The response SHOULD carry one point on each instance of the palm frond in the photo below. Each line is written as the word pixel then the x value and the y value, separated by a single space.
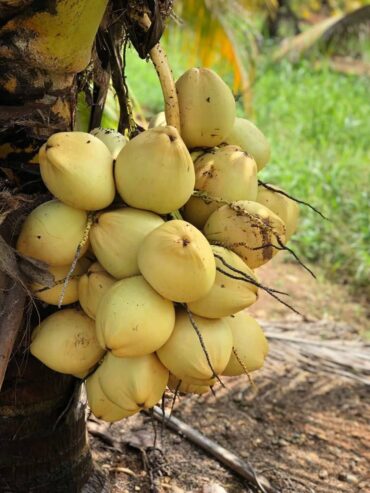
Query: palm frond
pixel 221 35
pixel 329 34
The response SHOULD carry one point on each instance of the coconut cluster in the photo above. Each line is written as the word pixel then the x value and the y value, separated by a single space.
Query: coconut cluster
pixel 153 243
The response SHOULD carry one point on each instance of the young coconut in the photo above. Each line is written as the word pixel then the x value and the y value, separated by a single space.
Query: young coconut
pixel 184 355
pixel 53 295
pixel 114 140
pixel 249 229
pixel 100 405
pixel 250 138
pixel 158 120
pixel 154 171
pixel 177 261
pixel 52 233
pixel 78 169
pixel 230 292
pixel 225 173
pixel 250 346
pixel 132 319
pixel 91 288
pixel 133 383
pixel 207 108
pixel 66 342
pixel 187 387
pixel 284 207
pixel 116 236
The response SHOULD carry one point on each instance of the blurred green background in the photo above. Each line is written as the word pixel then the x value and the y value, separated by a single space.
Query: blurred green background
pixel 309 93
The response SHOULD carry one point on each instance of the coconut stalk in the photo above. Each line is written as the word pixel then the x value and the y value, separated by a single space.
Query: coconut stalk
pixel 160 62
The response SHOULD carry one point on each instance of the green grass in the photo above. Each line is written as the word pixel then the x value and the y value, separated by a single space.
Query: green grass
pixel 318 126
pixel 317 123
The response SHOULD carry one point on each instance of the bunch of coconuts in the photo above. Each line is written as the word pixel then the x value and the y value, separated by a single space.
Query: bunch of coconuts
pixel 163 271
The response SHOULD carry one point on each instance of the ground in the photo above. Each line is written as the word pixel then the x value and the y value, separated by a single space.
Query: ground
pixel 303 431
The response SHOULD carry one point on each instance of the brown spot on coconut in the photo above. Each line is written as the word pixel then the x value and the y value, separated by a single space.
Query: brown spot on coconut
pixel 249 229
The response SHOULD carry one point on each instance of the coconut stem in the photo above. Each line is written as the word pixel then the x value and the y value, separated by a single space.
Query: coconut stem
pixel 268 291
pixel 246 278
pixel 244 369
pixel 196 328
pixel 160 62
pixel 84 240
pixel 276 190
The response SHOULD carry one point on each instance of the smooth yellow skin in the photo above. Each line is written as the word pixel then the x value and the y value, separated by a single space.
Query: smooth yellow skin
pixel 250 138
pixel 77 168
pixel 158 120
pixel 227 295
pixel 115 141
pixel 226 173
pixel 133 383
pixel 66 342
pixel 132 319
pixel 207 108
pixel 100 405
pixel 183 354
pixel 91 288
pixel 245 230
pixel 52 295
pixel 52 232
pixel 177 261
pixel 282 206
pixel 249 342
pixel 188 387
pixel 116 237
pixel 154 171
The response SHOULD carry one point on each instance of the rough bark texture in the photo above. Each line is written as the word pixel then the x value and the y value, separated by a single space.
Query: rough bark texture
pixel 43 443
pixel 43 439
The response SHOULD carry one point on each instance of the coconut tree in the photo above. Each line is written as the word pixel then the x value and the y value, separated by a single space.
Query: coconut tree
pixel 50 51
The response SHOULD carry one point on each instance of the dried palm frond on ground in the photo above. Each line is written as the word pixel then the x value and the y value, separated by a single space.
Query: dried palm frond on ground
pixel 350 359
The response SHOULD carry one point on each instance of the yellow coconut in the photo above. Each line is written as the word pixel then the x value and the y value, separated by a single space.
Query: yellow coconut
pixel 183 354
pixel 133 383
pixel 114 140
pixel 250 346
pixel 78 169
pixel 91 288
pixel 230 292
pixel 177 385
pixel 207 108
pixel 52 232
pixel 196 154
pixel 154 171
pixel 247 228
pixel 158 120
pixel 250 138
pixel 226 173
pixel 177 261
pixel 66 342
pixel 116 236
pixel 132 319
pixel 284 207
pixel 100 405
pixel 52 295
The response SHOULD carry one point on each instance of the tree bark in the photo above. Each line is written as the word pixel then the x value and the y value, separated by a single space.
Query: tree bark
pixel 44 44
pixel 43 441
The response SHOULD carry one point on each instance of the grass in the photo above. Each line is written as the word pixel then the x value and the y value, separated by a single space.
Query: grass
pixel 317 123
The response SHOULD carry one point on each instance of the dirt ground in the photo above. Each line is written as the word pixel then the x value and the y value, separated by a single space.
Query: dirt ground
pixel 305 432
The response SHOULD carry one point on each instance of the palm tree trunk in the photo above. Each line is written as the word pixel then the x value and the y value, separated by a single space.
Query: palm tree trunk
pixel 43 442
pixel 43 439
